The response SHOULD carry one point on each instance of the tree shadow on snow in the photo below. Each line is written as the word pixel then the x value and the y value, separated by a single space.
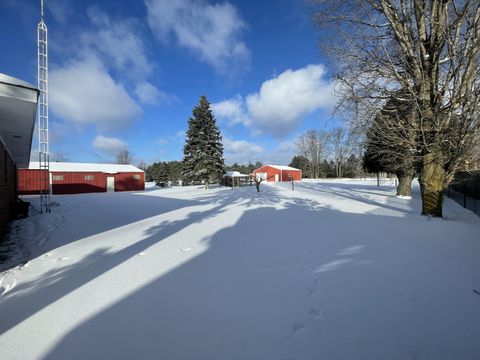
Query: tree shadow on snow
pixel 289 281
pixel 33 296
pixel 363 193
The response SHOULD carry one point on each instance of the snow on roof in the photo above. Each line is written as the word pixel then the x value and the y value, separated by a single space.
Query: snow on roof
pixel 7 79
pixel 87 167
pixel 283 167
pixel 235 174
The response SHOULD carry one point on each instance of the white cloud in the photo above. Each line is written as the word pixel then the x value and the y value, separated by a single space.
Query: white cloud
pixel 282 154
pixel 181 135
pixel 109 145
pixel 150 95
pixel 233 110
pixel 212 31
pixel 60 10
pixel 119 42
pixel 110 67
pixel 282 102
pixel 241 151
pixel 85 93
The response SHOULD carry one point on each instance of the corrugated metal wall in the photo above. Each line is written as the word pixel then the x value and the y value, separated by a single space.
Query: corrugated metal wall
pixel 129 181
pixel 288 175
pixel 29 181
pixel 79 182
pixel 283 175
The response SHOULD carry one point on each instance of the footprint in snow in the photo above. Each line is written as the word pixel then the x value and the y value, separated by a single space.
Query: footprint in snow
pixel 313 291
pixel 297 328
pixel 315 314
pixel 62 259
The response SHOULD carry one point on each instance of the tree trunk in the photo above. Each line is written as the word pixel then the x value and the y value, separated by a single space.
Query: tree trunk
pixel 404 187
pixel 339 170
pixel 206 184
pixel 432 184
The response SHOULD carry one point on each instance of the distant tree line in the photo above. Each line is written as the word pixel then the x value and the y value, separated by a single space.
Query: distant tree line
pixel 352 167
pixel 245 169
pixel 164 172
pixel 333 153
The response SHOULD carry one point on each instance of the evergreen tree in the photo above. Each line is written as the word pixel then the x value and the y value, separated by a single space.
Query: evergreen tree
pixel 203 151
pixel 302 163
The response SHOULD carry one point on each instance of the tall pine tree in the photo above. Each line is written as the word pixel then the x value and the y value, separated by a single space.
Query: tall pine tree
pixel 203 150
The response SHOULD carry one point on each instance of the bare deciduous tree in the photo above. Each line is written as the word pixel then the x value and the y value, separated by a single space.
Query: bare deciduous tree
pixel 312 144
pixel 426 48
pixel 343 143
pixel 124 157
pixel 258 179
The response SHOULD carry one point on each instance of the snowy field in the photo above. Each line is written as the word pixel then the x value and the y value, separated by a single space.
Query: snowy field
pixel 332 270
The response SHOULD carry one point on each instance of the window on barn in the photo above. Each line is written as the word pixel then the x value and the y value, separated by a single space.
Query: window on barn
pixel 57 177
pixel 89 177
pixel 136 177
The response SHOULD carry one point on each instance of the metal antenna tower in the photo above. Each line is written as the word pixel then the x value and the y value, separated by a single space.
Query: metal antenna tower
pixel 43 151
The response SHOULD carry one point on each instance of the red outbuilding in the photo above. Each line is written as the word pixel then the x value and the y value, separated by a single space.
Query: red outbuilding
pixel 273 173
pixel 76 178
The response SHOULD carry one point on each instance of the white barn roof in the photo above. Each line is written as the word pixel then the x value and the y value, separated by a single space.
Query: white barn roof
pixel 235 174
pixel 87 167
pixel 282 167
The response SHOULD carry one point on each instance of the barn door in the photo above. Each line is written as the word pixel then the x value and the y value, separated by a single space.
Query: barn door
pixel 276 177
pixel 110 183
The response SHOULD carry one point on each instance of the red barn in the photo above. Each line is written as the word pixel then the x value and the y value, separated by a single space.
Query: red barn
pixel 275 173
pixel 76 178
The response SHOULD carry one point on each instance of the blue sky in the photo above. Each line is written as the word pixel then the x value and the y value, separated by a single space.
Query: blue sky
pixel 128 73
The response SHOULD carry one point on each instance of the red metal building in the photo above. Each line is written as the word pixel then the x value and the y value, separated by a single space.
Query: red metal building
pixel 273 173
pixel 77 178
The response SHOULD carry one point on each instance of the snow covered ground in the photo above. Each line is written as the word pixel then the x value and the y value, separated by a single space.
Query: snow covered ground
pixel 332 270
